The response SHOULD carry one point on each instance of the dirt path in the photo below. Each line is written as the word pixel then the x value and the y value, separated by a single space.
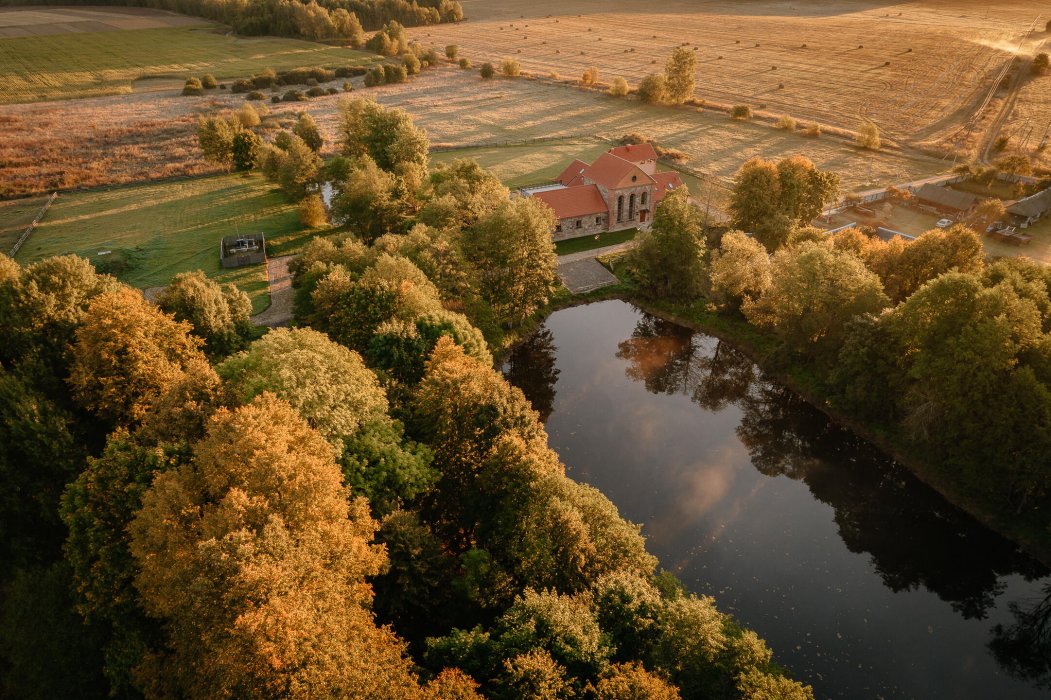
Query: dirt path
pixel 279 313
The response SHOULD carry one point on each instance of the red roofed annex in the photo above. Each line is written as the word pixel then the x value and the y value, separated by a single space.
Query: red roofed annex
pixel 618 191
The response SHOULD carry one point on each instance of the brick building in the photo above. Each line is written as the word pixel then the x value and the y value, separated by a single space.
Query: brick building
pixel 618 191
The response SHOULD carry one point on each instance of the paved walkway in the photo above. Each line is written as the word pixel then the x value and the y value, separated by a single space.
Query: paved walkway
pixel 585 275
pixel 279 313
pixel 596 252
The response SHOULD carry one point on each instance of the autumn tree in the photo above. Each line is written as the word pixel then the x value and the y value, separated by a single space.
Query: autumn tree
pixel 680 73
pixel 388 137
pixel 126 354
pixel 514 253
pixel 739 271
pixel 670 257
pixel 461 193
pixel 987 211
pixel 868 136
pixel 218 314
pixel 815 291
pixel 278 555
pixel 653 89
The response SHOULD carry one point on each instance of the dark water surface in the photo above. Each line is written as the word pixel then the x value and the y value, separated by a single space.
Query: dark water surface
pixel 865 582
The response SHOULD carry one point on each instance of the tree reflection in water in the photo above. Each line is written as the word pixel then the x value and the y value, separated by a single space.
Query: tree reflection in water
pixel 1024 648
pixel 914 537
pixel 531 367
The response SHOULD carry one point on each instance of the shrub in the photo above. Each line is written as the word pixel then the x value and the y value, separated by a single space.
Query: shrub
pixel 348 87
pixel 242 85
pixel 465 63
pixel 317 91
pixel 375 76
pixel 255 95
pixel 266 79
pixel 247 116
pixel 208 81
pixel 275 99
pixel 510 67
pixel 192 87
pixel 294 96
pixel 411 63
pixel 1041 63
pixel 653 88
pixel 350 71
pixel 487 71
pixel 868 136
pixel 222 86
pixel 619 87
pixel 741 112
pixel 395 74
pixel 430 57
pixel 812 130
pixel 332 91
pixel 786 122
pixel 312 212
pixel 451 50
pixel 1001 142
pixel 589 76
pixel 311 82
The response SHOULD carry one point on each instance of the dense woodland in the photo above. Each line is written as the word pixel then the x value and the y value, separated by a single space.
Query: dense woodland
pixel 929 345
pixel 357 507
pixel 343 20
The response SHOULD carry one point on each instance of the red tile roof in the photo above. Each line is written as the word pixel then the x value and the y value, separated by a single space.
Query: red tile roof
pixel 635 153
pixel 572 172
pixel 613 172
pixel 572 202
pixel 666 182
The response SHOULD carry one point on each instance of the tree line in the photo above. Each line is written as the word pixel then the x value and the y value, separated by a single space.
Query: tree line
pixel 315 20
pixel 925 341
pixel 357 507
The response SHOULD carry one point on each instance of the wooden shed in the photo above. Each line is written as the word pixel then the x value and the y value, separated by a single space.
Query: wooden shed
pixel 236 251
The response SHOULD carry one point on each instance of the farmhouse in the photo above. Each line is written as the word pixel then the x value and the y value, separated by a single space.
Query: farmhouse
pixel 1027 211
pixel 945 201
pixel 618 191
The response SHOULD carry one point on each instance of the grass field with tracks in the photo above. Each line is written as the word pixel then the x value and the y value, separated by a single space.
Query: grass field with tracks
pixel 171 227
pixel 85 64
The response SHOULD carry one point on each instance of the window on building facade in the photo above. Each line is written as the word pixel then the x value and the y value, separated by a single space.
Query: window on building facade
pixel 644 198
pixel 620 208
pixel 558 228
pixel 631 206
pixel 580 223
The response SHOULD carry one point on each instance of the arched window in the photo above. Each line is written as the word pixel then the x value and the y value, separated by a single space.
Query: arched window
pixel 620 208
pixel 645 196
pixel 631 207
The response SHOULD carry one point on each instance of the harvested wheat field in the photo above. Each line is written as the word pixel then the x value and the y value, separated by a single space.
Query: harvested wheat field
pixel 48 54
pixel 145 136
pixel 917 69
pixel 1028 128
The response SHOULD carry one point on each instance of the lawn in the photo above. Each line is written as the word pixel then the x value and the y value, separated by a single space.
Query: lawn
pixel 15 216
pixel 519 166
pixel 171 227
pixel 83 64
pixel 579 245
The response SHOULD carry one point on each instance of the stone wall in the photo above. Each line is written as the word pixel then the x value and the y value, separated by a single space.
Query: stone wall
pixel 589 226
pixel 630 222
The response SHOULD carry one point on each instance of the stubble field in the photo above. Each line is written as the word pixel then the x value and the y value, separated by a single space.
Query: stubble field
pixel 917 70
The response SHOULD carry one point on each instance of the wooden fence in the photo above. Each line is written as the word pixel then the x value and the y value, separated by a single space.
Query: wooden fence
pixel 29 229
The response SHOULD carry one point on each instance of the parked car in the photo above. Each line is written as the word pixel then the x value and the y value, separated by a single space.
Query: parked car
pixel 944 223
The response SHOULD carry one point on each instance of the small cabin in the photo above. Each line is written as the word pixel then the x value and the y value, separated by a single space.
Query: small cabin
pixel 240 250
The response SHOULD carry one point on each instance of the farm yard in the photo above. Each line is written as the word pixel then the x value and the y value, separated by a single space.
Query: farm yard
pixel 915 70
pixel 162 229
pixel 48 54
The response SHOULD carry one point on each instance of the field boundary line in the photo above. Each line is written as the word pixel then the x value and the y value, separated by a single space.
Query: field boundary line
pixel 32 226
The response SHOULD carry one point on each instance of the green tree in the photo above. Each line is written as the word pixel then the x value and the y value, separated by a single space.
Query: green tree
pixel 328 384
pixel 278 556
pixel 451 51
pixel 306 129
pixel 739 271
pixel 487 71
pixel 387 136
pixel 298 169
pixel 804 190
pixel 218 314
pixel 1041 63
pixel 670 257
pixel 816 290
pixel 215 135
pixel 680 73
pixel 461 193
pixel 126 354
pixel 513 250
pixel 244 150
pixel 368 201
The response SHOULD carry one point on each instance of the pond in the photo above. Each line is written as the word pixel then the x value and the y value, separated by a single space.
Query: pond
pixel 864 581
